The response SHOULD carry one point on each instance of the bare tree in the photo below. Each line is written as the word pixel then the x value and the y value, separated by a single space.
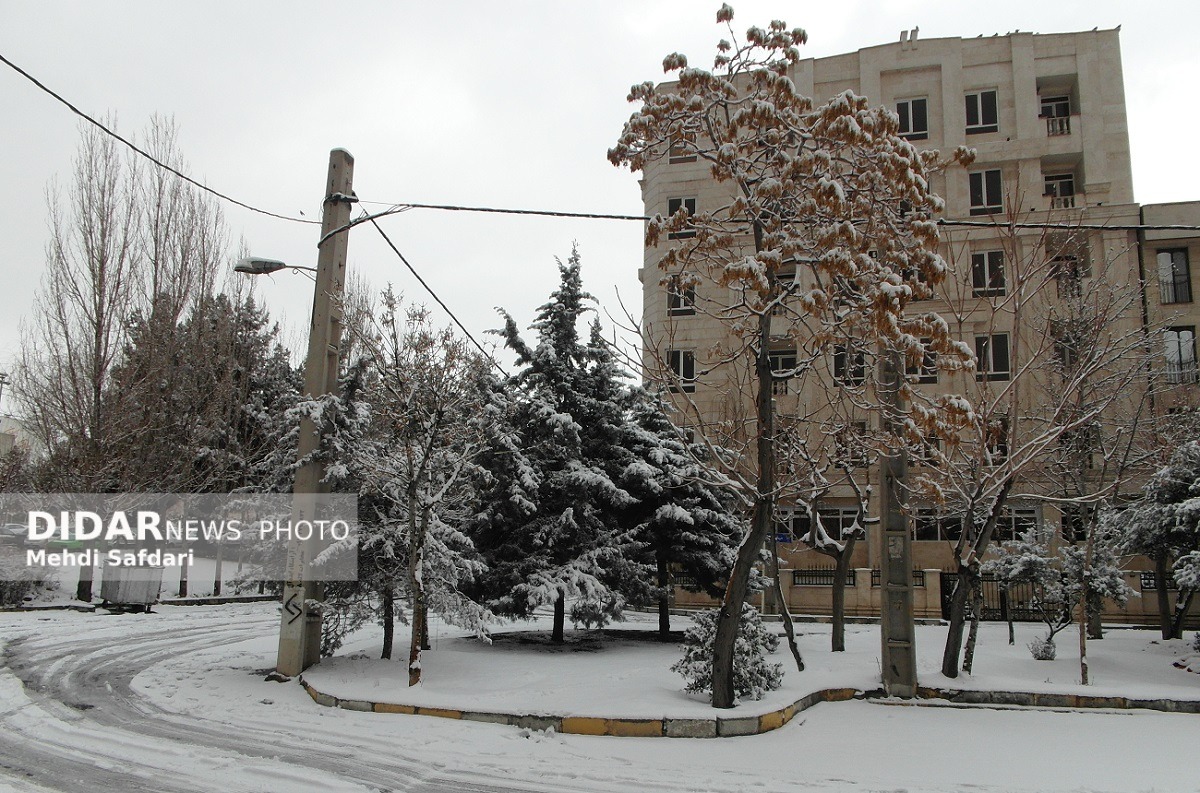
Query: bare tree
pixel 1059 379
pixel 830 192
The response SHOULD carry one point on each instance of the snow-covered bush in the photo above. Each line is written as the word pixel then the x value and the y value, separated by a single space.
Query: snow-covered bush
pixel 1196 642
pixel 1043 649
pixel 753 675
pixel 19 583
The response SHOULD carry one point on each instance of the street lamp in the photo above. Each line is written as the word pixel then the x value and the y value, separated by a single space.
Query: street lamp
pixel 256 265
pixel 300 623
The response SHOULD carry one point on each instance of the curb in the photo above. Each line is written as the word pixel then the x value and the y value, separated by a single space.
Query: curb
pixel 745 725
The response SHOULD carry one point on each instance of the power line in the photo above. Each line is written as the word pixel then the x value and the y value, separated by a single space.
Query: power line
pixel 395 208
pixel 433 294
pixel 502 211
pixel 148 156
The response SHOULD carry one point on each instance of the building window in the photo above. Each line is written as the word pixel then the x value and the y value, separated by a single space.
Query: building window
pixel 1174 276
pixel 981 112
pixel 682 148
pixel 683 369
pixel 931 524
pixel 1066 336
pixel 995 443
pixel 1057 112
pixel 1181 354
pixel 928 452
pixel 987 195
pixel 1069 273
pixel 849 364
pixel 987 273
pixel 991 352
pixel 1075 521
pixel 925 370
pixel 914 118
pixel 836 521
pixel 681 297
pixel 850 447
pixel 785 277
pixel 783 365
pixel 1060 189
pixel 673 206
pixel 1014 522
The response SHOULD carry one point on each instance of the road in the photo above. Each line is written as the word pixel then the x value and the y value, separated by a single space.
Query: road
pixel 175 702
pixel 83 726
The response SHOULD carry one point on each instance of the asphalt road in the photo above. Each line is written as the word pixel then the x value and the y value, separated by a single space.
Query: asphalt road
pixel 84 728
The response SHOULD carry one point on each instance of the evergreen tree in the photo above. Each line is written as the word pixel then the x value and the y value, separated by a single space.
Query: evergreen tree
pixel 685 516
pixel 561 537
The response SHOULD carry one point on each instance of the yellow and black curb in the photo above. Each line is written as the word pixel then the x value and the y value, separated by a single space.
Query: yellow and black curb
pixel 719 727
pixel 589 725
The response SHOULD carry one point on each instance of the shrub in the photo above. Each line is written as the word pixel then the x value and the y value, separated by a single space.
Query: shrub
pixel 1043 649
pixel 753 675
pixel 19 583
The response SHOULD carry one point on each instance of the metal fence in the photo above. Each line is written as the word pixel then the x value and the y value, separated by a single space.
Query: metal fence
pixel 1000 603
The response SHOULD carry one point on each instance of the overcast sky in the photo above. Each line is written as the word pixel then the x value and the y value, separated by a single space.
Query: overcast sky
pixel 508 104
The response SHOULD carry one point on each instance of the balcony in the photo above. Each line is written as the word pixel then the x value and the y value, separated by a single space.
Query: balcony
pixel 1058 126
pixel 1062 202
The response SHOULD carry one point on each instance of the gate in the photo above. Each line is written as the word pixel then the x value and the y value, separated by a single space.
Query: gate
pixel 998 604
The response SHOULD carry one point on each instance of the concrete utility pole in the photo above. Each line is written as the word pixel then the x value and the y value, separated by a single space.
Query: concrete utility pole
pixel 897 630
pixel 300 627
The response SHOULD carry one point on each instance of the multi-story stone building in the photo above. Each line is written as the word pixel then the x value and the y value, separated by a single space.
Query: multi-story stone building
pixel 1052 191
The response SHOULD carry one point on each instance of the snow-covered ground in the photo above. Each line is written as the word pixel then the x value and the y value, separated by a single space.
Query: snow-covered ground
pixel 176 701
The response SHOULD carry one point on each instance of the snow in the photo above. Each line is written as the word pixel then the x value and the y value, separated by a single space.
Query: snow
pixel 189 705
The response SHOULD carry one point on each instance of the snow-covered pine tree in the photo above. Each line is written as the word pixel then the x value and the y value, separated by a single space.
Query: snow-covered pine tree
pixel 753 674
pixel 562 538
pixel 1165 526
pixel 686 516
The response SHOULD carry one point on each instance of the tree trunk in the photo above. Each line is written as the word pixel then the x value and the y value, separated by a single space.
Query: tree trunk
pixel 418 641
pixel 1083 637
pixel 840 570
pixel 1164 602
pixel 664 597
pixel 217 568
pixel 958 616
pixel 1006 614
pixel 183 573
pixel 730 616
pixel 560 619
pixel 788 629
pixel 425 645
pixel 1095 625
pixel 83 590
pixel 388 617
pixel 1183 603
pixel 973 635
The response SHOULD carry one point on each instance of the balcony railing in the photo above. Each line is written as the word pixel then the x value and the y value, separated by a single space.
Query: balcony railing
pixel 1058 126
pixel 1062 202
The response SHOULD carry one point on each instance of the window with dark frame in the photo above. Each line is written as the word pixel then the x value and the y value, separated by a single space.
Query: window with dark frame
pixel 683 366
pixel 1060 189
pixel 1174 276
pixel 850 445
pixel 987 273
pixel 991 352
pixel 680 151
pixel 931 524
pixel 924 371
pixel 987 192
pixel 681 297
pixel 1014 522
pixel 1065 336
pixel 781 361
pixel 849 364
pixel 982 112
pixel 1180 343
pixel 1075 521
pixel 1055 107
pixel 996 440
pixel 673 207
pixel 914 118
